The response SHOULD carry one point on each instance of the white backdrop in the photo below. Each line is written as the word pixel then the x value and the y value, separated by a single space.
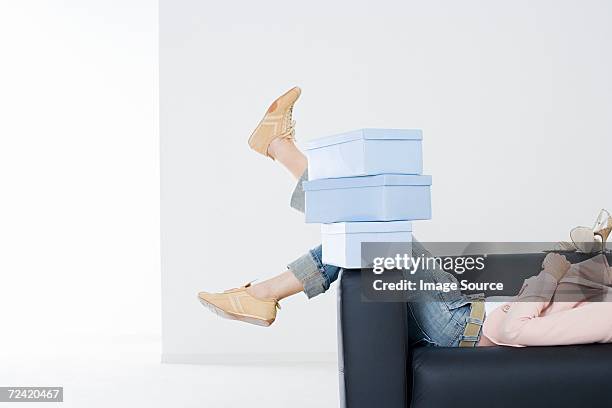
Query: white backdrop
pixel 513 98
pixel 79 209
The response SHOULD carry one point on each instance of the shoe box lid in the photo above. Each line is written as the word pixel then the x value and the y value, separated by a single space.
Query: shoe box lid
pixel 365 134
pixel 368 181
pixel 366 227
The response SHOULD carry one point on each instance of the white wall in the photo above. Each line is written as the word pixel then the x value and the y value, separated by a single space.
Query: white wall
pixel 79 246
pixel 513 97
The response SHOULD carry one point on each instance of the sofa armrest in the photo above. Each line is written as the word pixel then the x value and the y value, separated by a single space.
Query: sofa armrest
pixel 372 348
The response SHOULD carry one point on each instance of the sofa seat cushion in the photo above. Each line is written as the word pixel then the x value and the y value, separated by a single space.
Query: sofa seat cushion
pixel 565 376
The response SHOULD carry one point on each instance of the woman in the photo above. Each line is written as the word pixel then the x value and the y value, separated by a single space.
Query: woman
pixel 448 319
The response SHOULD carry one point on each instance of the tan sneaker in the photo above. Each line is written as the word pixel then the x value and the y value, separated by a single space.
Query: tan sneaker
pixel 277 122
pixel 238 304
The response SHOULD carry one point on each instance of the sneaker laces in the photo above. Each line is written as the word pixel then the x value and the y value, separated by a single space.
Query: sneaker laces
pixel 289 125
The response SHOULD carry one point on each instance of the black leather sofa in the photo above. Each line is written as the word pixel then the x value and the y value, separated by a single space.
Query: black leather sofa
pixel 378 369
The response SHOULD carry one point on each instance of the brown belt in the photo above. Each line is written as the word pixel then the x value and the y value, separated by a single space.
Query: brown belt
pixel 472 328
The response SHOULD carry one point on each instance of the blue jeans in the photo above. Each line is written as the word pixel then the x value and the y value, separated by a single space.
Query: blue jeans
pixel 313 273
pixel 439 323
pixel 438 320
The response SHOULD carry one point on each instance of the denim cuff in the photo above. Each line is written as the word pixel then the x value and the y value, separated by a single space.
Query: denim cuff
pixel 307 271
pixel 297 198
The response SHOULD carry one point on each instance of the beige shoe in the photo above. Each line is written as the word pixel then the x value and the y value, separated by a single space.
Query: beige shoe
pixel 276 123
pixel 583 238
pixel 238 304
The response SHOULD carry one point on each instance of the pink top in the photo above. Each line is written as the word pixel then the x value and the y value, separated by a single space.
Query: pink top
pixel 576 310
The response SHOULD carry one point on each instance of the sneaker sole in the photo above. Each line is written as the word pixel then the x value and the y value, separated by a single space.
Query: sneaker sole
pixel 235 316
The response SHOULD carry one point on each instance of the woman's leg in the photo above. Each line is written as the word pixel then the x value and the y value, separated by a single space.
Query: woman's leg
pixel 308 273
pixel 257 304
pixel 287 153
pixel 279 287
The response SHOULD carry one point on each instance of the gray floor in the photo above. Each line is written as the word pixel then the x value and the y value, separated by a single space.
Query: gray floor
pixel 128 374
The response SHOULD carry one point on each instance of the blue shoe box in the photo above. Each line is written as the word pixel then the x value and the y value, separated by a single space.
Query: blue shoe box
pixel 386 197
pixel 365 152
pixel 342 241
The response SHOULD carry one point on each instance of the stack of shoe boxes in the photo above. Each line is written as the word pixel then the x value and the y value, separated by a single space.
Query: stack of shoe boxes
pixel 365 186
